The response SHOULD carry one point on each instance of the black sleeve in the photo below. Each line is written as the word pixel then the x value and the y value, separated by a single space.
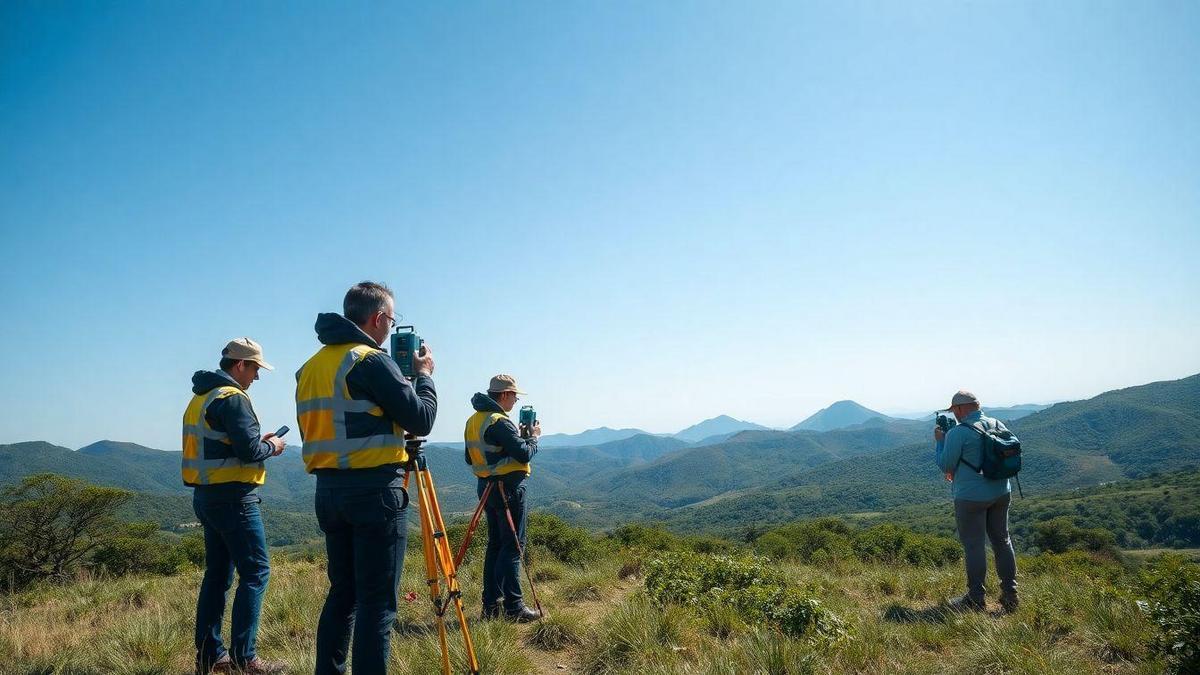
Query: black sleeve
pixel 504 434
pixel 237 416
pixel 412 406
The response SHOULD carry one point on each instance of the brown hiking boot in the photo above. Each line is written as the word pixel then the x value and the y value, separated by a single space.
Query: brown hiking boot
pixel 261 667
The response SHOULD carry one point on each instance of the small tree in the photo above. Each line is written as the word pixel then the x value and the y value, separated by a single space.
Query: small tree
pixel 50 525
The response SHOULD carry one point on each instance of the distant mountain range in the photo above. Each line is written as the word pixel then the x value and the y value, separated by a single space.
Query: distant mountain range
pixel 742 475
pixel 709 430
pixel 839 415
pixel 589 437
pixel 1008 414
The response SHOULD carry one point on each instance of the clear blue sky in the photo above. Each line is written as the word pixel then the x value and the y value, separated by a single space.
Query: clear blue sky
pixel 651 213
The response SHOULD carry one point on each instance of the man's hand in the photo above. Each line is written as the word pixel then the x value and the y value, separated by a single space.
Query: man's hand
pixel 950 476
pixel 423 361
pixel 938 434
pixel 526 433
pixel 276 443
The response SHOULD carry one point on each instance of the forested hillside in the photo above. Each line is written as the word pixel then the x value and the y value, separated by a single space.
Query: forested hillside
pixel 1120 434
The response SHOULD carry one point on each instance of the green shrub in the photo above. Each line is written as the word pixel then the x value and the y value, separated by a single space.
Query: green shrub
pixel 813 541
pixel 1060 534
pixel 647 537
pixel 747 584
pixel 140 547
pixel 1172 586
pixel 826 539
pixel 570 544
pixel 51 526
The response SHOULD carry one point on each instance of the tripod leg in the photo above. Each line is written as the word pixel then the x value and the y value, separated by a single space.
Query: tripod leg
pixel 520 549
pixel 462 549
pixel 445 560
pixel 428 549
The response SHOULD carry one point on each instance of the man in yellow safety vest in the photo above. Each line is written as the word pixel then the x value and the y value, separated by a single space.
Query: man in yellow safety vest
pixel 498 451
pixel 354 407
pixel 223 456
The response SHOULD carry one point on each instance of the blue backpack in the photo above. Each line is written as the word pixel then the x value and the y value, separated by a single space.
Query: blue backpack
pixel 1000 452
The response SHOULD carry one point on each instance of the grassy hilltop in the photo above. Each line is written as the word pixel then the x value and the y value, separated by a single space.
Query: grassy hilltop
pixel 617 607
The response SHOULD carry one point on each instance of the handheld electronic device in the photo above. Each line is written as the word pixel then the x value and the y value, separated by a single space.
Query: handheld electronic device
pixel 279 433
pixel 528 416
pixel 405 347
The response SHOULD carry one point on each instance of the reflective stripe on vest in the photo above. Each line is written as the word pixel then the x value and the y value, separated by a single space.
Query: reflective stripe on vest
pixel 322 403
pixel 197 470
pixel 477 448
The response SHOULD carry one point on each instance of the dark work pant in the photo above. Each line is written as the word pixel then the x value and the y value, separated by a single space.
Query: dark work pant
pixel 233 539
pixel 365 537
pixel 502 562
pixel 977 520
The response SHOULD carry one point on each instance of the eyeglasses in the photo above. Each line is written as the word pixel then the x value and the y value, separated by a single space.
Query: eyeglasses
pixel 391 320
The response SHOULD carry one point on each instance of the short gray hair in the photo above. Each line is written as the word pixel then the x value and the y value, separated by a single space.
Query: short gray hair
pixel 364 299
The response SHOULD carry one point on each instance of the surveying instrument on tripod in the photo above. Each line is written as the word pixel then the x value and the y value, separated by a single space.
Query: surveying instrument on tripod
pixel 495 483
pixel 441 568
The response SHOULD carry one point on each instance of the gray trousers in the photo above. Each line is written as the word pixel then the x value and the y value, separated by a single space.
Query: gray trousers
pixel 975 520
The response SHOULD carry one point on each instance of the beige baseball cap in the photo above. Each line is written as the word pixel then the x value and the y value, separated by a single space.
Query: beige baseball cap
pixel 963 397
pixel 502 383
pixel 245 349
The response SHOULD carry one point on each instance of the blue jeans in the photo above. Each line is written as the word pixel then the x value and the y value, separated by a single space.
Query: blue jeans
pixel 233 539
pixel 502 561
pixel 365 538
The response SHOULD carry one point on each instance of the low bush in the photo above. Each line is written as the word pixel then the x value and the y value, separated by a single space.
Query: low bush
pixel 820 541
pixel 1059 535
pixel 1172 586
pixel 140 547
pixel 748 584
pixel 570 544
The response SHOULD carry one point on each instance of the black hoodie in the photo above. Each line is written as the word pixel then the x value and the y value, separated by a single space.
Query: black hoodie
pixel 377 378
pixel 235 416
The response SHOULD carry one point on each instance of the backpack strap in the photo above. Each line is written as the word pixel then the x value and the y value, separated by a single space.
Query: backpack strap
pixel 976 469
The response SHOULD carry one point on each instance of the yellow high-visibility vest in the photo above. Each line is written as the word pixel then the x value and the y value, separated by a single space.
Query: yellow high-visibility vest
pixel 219 464
pixel 477 426
pixel 323 404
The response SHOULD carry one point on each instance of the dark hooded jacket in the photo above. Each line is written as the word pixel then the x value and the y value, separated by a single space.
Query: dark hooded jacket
pixel 235 416
pixel 503 433
pixel 377 378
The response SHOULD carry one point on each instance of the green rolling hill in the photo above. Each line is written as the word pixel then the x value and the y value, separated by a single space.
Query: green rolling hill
pixel 751 478
pixel 1119 434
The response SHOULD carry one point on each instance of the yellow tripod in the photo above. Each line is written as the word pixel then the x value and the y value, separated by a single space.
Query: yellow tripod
pixel 439 561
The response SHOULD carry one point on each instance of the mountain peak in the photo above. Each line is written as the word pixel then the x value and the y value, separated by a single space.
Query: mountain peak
pixel 717 426
pixel 839 414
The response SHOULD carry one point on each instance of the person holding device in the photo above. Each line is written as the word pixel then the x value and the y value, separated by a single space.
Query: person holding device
pixel 356 409
pixel 223 457
pixel 500 452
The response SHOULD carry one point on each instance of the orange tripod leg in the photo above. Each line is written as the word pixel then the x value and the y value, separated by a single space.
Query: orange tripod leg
pixel 462 549
pixel 439 561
